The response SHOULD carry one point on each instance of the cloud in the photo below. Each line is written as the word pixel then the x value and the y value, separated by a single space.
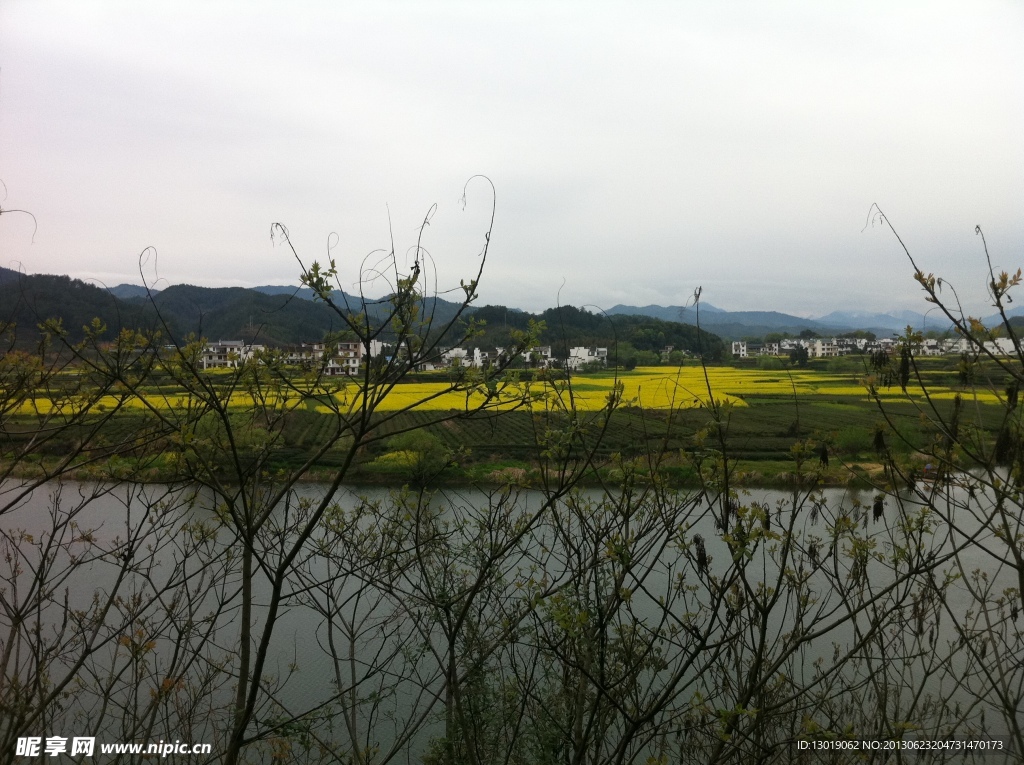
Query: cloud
pixel 637 151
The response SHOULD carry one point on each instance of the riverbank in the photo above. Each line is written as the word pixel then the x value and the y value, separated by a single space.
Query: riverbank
pixel 750 474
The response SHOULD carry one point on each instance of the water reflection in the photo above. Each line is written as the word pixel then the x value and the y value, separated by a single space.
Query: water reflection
pixel 843 606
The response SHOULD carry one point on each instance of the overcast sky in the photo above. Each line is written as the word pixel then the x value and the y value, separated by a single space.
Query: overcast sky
pixel 638 150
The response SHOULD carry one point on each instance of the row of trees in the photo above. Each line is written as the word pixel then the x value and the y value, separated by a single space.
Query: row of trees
pixel 287 622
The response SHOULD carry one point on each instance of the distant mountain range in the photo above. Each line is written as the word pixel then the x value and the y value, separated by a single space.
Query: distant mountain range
pixel 274 317
pixel 132 291
pixel 287 314
pixel 129 291
pixel 738 324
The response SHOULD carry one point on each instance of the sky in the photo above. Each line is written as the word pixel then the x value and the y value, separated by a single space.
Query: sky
pixel 637 151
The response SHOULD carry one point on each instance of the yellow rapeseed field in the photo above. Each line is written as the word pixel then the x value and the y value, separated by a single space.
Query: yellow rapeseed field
pixel 650 387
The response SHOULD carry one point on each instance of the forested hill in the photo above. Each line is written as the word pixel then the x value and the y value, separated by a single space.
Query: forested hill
pixel 278 319
pixel 28 301
pixel 8 274
pixel 639 337
pixel 178 311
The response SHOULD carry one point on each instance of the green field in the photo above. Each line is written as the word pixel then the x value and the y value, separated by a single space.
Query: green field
pixel 661 411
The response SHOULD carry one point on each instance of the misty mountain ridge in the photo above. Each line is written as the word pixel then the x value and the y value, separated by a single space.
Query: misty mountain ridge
pixel 231 311
pixel 182 311
pixel 276 316
pixel 739 324
pixel 731 323
pixel 131 291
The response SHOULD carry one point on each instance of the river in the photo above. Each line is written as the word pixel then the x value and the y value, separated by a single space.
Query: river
pixel 128 602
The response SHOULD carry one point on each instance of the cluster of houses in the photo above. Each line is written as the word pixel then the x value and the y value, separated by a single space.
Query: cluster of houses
pixel 536 358
pixel 342 358
pixel 345 358
pixel 841 346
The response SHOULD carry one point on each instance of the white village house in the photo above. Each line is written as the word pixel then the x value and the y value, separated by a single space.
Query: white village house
pixel 582 355
pixel 227 354
pixel 343 358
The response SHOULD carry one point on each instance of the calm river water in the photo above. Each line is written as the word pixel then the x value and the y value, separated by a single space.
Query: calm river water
pixel 141 529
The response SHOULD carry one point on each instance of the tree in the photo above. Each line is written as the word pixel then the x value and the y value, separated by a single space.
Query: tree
pixel 973 468
pixel 421 455
pixel 275 549
pixel 224 449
